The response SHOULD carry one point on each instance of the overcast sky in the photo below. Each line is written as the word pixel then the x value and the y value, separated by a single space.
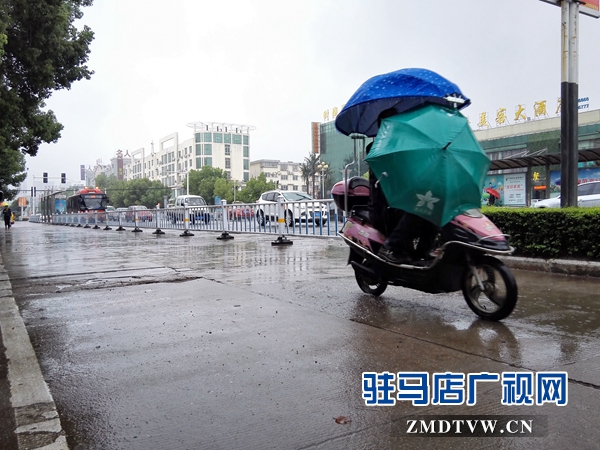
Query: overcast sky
pixel 279 64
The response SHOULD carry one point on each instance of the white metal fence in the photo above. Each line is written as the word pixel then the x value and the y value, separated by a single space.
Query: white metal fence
pixel 315 218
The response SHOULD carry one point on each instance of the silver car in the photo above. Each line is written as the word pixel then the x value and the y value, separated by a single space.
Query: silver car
pixel 588 194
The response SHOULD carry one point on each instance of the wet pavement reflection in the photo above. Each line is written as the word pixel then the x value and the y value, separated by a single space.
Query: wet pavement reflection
pixel 156 342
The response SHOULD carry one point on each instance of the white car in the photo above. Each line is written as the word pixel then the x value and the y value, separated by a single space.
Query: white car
pixel 588 194
pixel 299 207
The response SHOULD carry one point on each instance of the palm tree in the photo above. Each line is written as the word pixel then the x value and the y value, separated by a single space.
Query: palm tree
pixel 305 172
pixel 311 162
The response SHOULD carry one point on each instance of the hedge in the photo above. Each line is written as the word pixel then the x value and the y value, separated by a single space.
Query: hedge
pixel 550 232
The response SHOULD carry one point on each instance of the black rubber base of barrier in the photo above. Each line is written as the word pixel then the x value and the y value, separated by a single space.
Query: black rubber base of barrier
pixel 282 240
pixel 120 228
pixel 186 233
pixel 107 228
pixel 158 231
pixel 137 230
pixel 225 235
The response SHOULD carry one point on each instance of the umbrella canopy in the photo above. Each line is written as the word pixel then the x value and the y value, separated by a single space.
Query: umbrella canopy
pixel 429 163
pixel 394 93
pixel 493 192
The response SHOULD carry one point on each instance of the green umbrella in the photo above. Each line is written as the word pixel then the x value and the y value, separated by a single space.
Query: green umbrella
pixel 429 163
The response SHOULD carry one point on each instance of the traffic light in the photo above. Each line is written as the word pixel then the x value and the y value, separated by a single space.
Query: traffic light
pixel 45 177
pixel 63 178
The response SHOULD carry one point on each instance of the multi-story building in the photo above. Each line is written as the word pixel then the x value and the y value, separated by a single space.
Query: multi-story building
pixel 222 145
pixel 286 175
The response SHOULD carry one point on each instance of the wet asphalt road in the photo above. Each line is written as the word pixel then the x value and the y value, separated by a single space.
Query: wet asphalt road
pixel 168 342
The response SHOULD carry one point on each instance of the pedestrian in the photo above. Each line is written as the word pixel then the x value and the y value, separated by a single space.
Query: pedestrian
pixel 6 214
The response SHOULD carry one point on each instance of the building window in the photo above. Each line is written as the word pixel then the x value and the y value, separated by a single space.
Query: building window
pixel 198 163
pixel 198 137
pixel 295 178
pixel 246 164
pixel 208 149
pixel 218 137
pixel 227 138
pixel 246 176
pixel 246 139
pixel 228 175
pixel 208 162
pixel 198 149
pixel 283 167
pixel 228 163
pixel 246 152
pixel 207 137
pixel 237 138
pixel 227 149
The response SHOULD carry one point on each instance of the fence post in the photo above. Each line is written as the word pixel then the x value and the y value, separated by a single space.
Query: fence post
pixel 158 230
pixel 225 234
pixel 106 221
pixel 281 239
pixel 135 221
pixel 120 226
pixel 186 222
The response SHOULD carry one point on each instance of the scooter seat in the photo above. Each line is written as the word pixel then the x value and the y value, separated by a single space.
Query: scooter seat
pixel 362 212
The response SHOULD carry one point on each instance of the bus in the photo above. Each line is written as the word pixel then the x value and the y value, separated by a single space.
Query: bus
pixel 53 203
pixel 88 200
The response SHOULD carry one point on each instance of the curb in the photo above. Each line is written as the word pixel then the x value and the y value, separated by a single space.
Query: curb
pixel 559 266
pixel 37 421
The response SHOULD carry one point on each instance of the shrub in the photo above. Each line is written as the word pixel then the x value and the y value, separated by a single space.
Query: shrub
pixel 550 232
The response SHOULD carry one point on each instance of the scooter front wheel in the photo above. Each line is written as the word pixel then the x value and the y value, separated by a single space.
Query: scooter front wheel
pixel 499 295
pixel 367 283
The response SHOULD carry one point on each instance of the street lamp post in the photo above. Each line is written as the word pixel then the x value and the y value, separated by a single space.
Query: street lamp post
pixel 322 167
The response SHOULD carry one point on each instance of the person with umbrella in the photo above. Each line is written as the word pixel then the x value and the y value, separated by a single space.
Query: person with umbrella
pixel 429 165
pixel 7 215
pixel 427 161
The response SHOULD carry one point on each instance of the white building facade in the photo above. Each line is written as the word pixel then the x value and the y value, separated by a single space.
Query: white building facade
pixel 220 145
pixel 286 175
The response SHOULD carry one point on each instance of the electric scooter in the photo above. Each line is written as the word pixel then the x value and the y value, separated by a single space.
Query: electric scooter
pixel 462 261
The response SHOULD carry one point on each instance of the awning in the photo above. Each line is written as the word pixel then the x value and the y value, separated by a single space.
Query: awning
pixel 541 160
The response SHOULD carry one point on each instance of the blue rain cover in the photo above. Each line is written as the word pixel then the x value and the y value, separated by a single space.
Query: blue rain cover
pixel 394 92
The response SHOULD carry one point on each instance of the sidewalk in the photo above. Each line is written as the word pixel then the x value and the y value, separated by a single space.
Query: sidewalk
pixel 559 266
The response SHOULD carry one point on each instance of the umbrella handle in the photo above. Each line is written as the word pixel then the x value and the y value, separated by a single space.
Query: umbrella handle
pixel 383 174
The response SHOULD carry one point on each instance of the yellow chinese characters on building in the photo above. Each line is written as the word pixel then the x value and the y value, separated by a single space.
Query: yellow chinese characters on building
pixel 483 122
pixel 325 115
pixel 520 113
pixel 539 109
pixel 334 112
pixel 558 105
pixel 501 118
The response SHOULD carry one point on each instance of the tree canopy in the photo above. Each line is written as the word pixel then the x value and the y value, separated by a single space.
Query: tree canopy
pixel 41 51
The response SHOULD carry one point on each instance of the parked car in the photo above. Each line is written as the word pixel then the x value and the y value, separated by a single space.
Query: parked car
pixel 588 194
pixel 143 213
pixel 111 213
pixel 238 211
pixel 196 205
pixel 299 207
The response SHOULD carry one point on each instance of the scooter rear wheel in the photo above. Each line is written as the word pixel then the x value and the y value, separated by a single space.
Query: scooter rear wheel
pixel 499 295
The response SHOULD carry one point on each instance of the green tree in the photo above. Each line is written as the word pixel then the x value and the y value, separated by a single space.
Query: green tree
pixel 202 182
pixel 40 52
pixel 224 189
pixel 255 187
pixel 311 162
